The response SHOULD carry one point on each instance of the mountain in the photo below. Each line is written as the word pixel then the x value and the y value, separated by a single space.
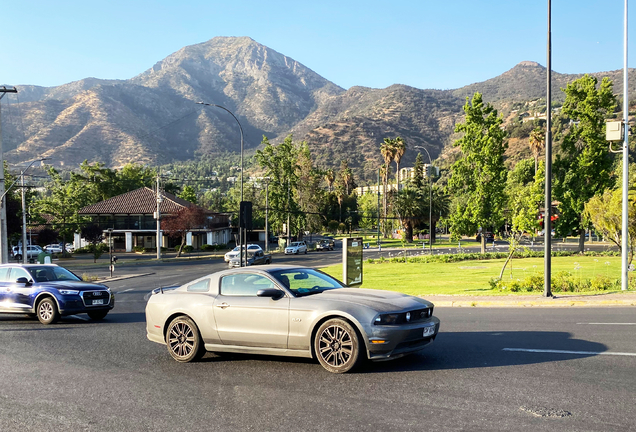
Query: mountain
pixel 153 117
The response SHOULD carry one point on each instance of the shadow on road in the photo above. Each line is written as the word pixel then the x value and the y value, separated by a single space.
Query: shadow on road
pixel 466 350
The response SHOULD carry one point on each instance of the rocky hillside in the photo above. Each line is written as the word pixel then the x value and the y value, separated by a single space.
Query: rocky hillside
pixel 153 118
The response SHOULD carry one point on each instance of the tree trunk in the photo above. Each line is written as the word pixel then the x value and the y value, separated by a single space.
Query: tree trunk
pixel 483 243
pixel 581 240
pixel 183 241
pixel 408 232
pixel 432 234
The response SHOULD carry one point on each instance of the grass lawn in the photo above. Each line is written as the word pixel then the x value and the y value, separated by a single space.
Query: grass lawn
pixel 471 277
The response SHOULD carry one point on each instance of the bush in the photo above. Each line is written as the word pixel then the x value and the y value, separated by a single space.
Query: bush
pixel 188 249
pixel 138 249
pixel 561 282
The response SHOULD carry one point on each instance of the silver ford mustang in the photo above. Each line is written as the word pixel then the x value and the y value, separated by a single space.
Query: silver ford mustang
pixel 288 311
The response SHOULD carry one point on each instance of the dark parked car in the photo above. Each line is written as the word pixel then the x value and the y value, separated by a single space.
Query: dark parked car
pixel 253 258
pixel 49 292
pixel 325 244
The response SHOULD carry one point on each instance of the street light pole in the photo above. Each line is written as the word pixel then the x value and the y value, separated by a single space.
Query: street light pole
pixel 430 200
pixel 240 222
pixel 4 245
pixel 625 209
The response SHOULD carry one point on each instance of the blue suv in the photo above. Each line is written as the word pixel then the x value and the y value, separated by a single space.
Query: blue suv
pixel 49 292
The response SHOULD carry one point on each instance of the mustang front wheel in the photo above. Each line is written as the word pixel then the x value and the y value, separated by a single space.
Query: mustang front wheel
pixel 337 346
pixel 183 340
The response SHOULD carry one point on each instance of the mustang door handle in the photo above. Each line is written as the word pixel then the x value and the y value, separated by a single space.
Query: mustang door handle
pixel 222 305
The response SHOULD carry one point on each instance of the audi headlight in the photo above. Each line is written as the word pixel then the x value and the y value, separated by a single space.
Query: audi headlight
pixel 69 292
pixel 387 319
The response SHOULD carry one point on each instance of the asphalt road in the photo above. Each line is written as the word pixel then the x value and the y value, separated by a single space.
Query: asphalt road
pixel 489 369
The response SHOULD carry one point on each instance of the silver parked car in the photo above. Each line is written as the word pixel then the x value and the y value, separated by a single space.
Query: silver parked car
pixel 288 311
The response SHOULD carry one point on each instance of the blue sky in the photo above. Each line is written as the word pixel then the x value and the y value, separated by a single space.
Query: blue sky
pixel 425 43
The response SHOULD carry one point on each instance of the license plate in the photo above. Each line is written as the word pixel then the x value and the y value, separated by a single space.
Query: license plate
pixel 98 302
pixel 429 331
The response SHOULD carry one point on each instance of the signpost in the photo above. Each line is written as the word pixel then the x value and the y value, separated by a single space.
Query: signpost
pixel 352 261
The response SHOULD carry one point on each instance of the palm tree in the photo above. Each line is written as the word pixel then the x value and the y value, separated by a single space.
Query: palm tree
pixel 346 175
pixel 330 177
pixel 399 147
pixel 537 144
pixel 408 207
pixel 387 149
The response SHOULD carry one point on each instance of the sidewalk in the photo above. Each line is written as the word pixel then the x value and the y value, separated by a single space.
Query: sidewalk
pixel 559 300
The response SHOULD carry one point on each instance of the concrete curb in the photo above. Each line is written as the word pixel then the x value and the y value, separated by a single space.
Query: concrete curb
pixel 594 300
pixel 117 278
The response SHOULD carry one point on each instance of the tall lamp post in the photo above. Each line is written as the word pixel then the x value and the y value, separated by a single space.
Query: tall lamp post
pixel 430 200
pixel 240 222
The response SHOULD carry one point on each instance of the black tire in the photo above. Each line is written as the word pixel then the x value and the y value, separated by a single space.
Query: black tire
pixel 337 346
pixel 305 251
pixel 97 315
pixel 183 340
pixel 47 311
pixel 18 257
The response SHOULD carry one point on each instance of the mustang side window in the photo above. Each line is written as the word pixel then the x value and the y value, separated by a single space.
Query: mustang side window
pixel 201 286
pixel 244 284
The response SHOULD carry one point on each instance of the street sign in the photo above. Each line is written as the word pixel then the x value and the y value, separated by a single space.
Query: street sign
pixel 352 261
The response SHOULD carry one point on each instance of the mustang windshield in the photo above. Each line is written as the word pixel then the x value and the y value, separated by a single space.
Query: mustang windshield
pixel 304 281
pixel 51 273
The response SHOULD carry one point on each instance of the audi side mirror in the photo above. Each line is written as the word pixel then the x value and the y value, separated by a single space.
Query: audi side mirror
pixel 22 280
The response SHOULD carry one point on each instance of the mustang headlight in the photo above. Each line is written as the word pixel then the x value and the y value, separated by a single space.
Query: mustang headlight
pixel 69 292
pixel 387 319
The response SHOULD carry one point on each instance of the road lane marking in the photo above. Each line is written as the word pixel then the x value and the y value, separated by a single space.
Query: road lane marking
pixel 80 317
pixel 607 323
pixel 569 352
pixel 126 290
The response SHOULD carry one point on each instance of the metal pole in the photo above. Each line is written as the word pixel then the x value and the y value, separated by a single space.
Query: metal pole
pixel 625 227
pixel 24 246
pixel 266 217
pixel 159 200
pixel 240 222
pixel 4 244
pixel 379 244
pixel 110 250
pixel 547 221
pixel 430 199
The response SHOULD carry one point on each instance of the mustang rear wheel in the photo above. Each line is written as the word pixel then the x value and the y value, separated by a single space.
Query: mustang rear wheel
pixel 183 340
pixel 47 311
pixel 337 346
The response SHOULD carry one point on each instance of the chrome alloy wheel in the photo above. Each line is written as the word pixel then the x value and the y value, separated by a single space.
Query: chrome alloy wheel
pixel 181 340
pixel 335 346
pixel 45 311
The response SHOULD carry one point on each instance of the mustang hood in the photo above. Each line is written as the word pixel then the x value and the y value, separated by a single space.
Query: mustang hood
pixel 381 301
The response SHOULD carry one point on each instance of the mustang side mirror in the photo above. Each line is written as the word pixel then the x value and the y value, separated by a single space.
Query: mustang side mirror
pixel 270 292
pixel 22 280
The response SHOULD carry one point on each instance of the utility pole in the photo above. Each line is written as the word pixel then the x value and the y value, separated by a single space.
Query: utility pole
pixel 4 244
pixel 625 208
pixel 159 201
pixel 379 244
pixel 24 246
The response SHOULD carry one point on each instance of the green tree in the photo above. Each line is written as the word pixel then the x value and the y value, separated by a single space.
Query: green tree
pixel 189 194
pixel 63 201
pixel 537 144
pixel 399 148
pixel 95 236
pixel 309 193
pixel 417 181
pixel 479 176
pixel 583 168
pixel 408 207
pixel 279 163
pixel 606 214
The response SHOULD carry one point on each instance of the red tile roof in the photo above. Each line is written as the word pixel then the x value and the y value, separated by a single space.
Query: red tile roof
pixel 139 201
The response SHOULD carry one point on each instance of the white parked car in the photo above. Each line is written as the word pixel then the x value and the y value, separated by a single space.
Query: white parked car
pixel 296 248
pixel 53 248
pixel 235 252
pixel 32 252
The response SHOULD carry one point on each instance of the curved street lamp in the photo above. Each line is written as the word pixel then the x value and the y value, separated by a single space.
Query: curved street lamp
pixel 240 222
pixel 430 201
